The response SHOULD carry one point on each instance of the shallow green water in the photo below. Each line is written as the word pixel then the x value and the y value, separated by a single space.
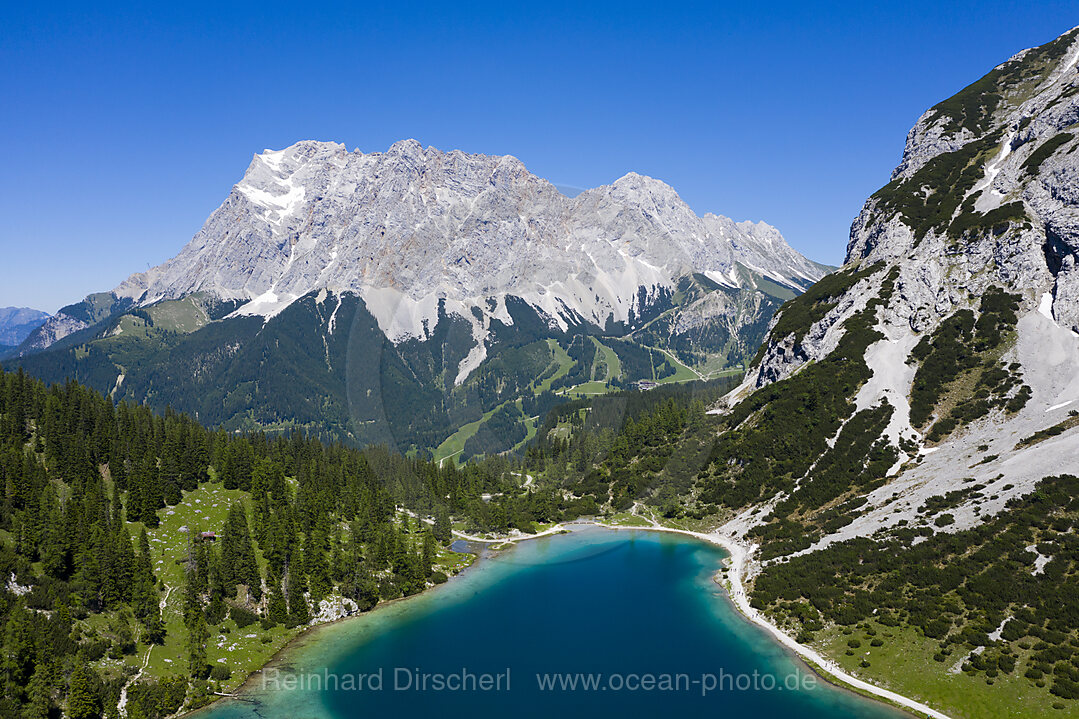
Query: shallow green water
pixel 633 613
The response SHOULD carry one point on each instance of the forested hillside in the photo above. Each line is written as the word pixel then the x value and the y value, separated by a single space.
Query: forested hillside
pixel 606 454
pixel 323 366
pixel 115 593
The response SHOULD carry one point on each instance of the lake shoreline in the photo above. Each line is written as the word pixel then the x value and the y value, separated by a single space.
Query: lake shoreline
pixel 311 632
pixel 825 668
pixel 734 590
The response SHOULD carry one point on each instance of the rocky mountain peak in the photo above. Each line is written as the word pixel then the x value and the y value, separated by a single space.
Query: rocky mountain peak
pixel 1013 93
pixel 415 231
pixel 414 228
pixel 406 148
pixel 985 196
pixel 949 341
pixel 987 183
pixel 984 204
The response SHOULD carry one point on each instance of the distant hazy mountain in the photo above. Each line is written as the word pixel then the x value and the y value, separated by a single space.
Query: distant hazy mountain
pixel 16 323
pixel 411 227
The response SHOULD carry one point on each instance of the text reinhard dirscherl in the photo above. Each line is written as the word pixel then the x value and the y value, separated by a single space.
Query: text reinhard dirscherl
pixel 409 679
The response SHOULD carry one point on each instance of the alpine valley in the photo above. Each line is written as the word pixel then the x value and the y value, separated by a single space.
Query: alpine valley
pixel 397 297
pixel 886 453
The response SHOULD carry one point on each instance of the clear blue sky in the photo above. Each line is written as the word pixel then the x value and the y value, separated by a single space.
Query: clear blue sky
pixel 124 127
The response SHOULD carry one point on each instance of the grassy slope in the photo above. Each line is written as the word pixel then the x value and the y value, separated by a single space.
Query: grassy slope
pixel 203 509
pixel 565 364
pixel 179 316
pixel 531 425
pixel 242 651
pixel 683 373
pixel 453 445
pixel 900 665
pixel 610 358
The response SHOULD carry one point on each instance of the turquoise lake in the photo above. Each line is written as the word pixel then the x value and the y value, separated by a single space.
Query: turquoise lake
pixel 634 613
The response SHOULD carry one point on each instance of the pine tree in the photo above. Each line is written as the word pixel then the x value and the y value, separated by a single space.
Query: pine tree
pixel 276 608
pixel 39 700
pixel 364 589
pixel 316 566
pixel 238 563
pixel 197 636
pixel 54 541
pixel 195 622
pixel 400 554
pixel 216 610
pixel 239 462
pixel 18 657
pixel 443 530
pixel 297 604
pixel 83 700
pixel 429 553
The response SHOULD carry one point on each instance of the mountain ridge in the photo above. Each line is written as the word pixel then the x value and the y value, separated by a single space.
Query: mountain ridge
pixel 492 229
pixel 898 464
pixel 413 293
pixel 17 323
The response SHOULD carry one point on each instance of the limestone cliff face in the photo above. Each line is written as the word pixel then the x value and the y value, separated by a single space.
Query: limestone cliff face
pixel 985 203
pixel 415 228
pixel 987 194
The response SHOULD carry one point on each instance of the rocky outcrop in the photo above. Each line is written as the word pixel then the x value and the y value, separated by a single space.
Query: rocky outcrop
pixel 987 194
pixel 334 608
pixel 51 331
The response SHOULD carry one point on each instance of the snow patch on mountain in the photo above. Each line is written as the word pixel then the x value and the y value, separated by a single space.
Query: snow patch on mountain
pixel 399 316
pixel 278 207
pixel 268 304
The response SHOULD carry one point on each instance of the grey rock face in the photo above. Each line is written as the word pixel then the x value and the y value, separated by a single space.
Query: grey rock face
pixel 53 330
pixel 1028 176
pixel 413 225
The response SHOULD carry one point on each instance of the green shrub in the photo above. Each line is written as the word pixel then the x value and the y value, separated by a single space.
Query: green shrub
pixel 944 520
pixel 1047 148
pixel 796 316
pixel 242 617
pixel 948 175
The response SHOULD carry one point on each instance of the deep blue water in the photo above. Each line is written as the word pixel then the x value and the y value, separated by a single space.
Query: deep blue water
pixel 623 606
